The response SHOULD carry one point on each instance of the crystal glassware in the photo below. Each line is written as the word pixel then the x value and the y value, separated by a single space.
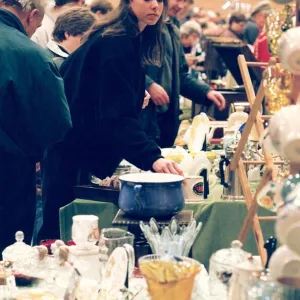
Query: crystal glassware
pixel 111 238
pixel 276 23
pixel 172 239
pixel 169 277
pixel 277 84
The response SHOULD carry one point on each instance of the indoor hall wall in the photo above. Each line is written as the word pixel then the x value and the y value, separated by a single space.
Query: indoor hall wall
pixel 215 5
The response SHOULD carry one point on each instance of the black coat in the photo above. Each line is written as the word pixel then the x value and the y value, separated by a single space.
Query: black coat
pixel 105 87
pixel 163 127
pixel 33 115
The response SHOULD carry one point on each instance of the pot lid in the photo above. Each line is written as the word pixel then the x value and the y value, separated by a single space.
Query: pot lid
pixel 151 178
pixel 230 256
pixel 19 250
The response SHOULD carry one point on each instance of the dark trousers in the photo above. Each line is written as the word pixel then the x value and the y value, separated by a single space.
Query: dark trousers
pixel 59 175
pixel 17 198
pixel 168 130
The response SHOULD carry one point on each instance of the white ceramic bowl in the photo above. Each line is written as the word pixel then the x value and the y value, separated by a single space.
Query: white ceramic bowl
pixel 288 226
pixel 284 263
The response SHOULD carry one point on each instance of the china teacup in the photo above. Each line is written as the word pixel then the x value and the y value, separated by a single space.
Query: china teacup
pixel 284 263
pixel 289 50
pixel 284 131
pixel 288 225
pixel 193 188
pixel 85 231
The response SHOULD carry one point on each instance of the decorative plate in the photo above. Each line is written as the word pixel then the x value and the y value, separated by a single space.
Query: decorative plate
pixel 115 272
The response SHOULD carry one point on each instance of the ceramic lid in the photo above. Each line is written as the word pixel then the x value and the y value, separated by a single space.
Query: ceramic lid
pixel 230 256
pixel 17 250
pixel 253 263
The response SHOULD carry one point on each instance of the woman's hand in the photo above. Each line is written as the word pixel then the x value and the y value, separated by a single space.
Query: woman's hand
pixel 163 165
pixel 158 94
pixel 217 98
pixel 146 99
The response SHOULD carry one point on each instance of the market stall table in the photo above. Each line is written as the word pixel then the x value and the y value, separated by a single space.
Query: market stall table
pixel 222 221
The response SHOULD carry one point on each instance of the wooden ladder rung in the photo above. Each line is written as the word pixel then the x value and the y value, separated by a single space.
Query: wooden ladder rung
pixel 266 117
pixel 256 64
pixel 270 218
pixel 262 162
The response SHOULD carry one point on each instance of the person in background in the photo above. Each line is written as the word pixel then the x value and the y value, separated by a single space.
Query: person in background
pixel 44 33
pixel 68 31
pixel 34 114
pixel 257 21
pixel 185 13
pixel 236 26
pixel 219 19
pixel 160 119
pixel 190 37
pixel 105 87
pixel 101 7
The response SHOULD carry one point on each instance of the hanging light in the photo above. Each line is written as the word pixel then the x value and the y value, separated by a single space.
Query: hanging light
pixel 226 4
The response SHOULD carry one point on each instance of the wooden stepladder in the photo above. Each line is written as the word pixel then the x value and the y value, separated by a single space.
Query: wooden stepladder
pixel 255 119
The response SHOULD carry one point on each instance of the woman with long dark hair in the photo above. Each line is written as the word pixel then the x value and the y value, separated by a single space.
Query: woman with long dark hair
pixel 105 88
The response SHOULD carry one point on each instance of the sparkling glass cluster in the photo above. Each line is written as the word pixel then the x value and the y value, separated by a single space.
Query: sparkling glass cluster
pixel 277 23
pixel 173 239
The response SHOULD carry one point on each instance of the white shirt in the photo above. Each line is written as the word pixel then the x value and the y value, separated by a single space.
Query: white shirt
pixel 44 33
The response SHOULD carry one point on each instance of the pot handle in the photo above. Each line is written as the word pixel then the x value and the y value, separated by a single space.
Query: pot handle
pixel 224 160
pixel 137 188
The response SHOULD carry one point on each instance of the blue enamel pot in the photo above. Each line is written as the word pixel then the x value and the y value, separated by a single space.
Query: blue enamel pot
pixel 145 195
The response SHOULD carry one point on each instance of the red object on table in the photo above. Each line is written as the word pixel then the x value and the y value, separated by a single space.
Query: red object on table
pixel 49 242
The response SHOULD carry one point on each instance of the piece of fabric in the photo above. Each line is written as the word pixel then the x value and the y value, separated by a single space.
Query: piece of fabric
pixel 222 222
pixel 34 114
pixel 261 50
pixel 57 52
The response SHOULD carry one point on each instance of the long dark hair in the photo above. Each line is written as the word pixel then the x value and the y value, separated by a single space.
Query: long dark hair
pixel 123 21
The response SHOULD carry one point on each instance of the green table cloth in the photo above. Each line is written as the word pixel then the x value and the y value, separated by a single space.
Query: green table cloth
pixel 222 221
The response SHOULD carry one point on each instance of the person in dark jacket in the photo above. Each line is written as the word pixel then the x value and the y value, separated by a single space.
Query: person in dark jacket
pixel 160 119
pixel 68 32
pixel 34 114
pixel 105 88
pixel 237 22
